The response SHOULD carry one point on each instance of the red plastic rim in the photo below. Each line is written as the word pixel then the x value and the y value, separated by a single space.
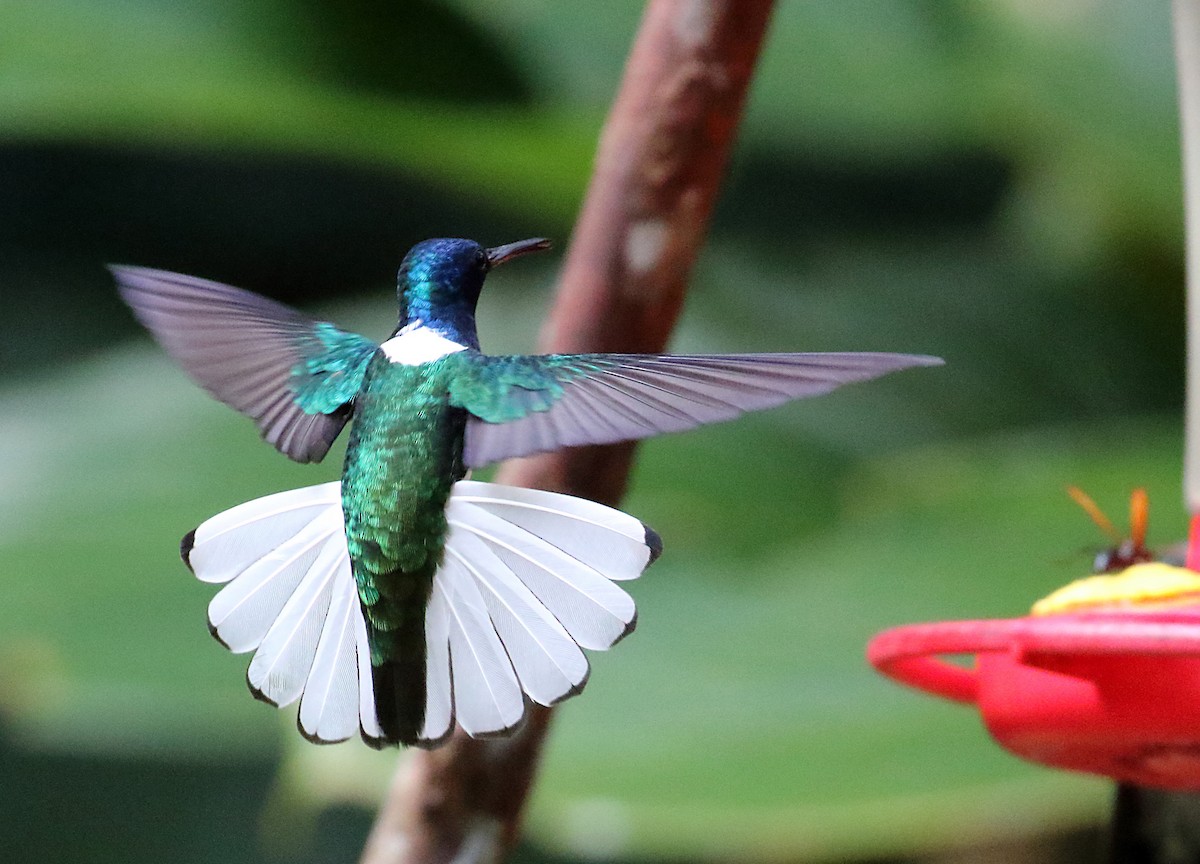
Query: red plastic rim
pixel 915 654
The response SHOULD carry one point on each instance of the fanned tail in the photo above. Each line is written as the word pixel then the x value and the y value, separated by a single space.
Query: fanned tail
pixel 527 581
pixel 289 596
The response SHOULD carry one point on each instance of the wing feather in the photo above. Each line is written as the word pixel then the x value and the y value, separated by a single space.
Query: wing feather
pixel 521 405
pixel 294 376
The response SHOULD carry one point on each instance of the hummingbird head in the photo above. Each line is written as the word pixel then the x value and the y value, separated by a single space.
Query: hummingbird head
pixel 440 280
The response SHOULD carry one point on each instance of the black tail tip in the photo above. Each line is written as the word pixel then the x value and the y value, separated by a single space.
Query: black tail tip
pixel 400 699
pixel 185 548
pixel 654 543
pixel 255 692
pixel 376 743
pixel 212 631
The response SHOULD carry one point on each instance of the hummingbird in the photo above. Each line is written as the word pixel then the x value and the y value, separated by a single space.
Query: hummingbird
pixel 407 598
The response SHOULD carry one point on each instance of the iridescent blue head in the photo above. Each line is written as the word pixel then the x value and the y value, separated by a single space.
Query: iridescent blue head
pixel 440 281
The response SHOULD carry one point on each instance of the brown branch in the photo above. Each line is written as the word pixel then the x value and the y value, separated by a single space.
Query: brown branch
pixel 658 169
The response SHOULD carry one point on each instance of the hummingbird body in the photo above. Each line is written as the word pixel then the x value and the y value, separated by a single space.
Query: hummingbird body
pixel 403 458
pixel 405 598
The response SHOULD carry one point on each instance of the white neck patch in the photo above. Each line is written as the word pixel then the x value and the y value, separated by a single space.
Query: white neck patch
pixel 417 344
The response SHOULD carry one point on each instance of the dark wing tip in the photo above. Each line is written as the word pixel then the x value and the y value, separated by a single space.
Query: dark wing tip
pixel 880 362
pixel 185 548
pixel 132 280
pixel 124 271
pixel 121 271
pixel 653 542
pixel 310 436
pixel 304 452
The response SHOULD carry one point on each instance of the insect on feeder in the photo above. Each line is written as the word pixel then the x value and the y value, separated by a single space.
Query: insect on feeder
pixel 1103 675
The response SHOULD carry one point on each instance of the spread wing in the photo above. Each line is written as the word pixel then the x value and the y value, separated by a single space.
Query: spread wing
pixel 525 404
pixel 295 377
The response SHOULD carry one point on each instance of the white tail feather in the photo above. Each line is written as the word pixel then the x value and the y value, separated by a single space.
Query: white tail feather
pixel 610 541
pixel 329 707
pixel 244 610
pixel 368 718
pixel 592 609
pixel 487 697
pixel 542 565
pixel 527 580
pixel 283 661
pixel 439 702
pixel 547 661
pixel 223 548
pixel 291 596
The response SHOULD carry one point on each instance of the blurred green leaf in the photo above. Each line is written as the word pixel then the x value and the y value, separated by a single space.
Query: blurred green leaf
pixel 209 75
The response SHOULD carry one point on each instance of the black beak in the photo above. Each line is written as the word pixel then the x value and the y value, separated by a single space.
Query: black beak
pixel 500 254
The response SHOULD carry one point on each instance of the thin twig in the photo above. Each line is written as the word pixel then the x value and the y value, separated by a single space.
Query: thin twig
pixel 658 169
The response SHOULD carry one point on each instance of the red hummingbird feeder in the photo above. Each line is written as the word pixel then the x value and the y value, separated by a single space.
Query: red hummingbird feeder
pixel 1103 676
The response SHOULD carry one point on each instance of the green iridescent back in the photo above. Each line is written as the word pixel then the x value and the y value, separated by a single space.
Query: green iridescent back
pixel 403 458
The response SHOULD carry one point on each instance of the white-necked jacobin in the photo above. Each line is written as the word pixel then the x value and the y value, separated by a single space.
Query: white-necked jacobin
pixel 406 598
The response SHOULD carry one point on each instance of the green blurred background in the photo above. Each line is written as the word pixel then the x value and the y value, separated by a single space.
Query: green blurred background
pixel 997 183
